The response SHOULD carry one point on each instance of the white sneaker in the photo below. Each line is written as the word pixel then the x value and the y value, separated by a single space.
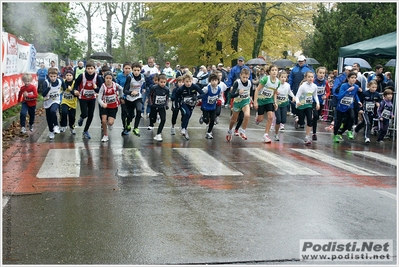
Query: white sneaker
pixel 367 140
pixel 51 135
pixel 172 131
pixel 62 129
pixel 105 138
pixel 142 115
pixel 217 120
pixel 307 140
pixel 23 130
pixel 272 127
pixel 158 137
pixel 73 131
pixel 281 126
pixel 56 129
pixel 276 138
pixel 149 128
pixel 209 136
pixel 266 138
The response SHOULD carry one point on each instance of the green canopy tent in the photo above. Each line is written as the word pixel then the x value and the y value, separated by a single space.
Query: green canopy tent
pixel 383 46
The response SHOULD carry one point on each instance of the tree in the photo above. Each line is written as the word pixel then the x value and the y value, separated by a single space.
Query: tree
pixel 110 10
pixel 348 23
pixel 89 9
pixel 48 26
pixel 125 11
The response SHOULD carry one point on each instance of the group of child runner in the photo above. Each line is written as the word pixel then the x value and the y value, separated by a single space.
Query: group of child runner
pixel 271 97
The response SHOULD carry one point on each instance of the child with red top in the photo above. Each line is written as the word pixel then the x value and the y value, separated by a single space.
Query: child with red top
pixel 27 95
pixel 108 99
pixel 86 88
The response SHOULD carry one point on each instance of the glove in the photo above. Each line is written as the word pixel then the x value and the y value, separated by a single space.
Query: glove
pixel 166 107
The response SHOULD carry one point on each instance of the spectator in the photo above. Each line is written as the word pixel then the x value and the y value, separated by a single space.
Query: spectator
pixel 389 81
pixel 41 76
pixel 378 69
pixel 224 72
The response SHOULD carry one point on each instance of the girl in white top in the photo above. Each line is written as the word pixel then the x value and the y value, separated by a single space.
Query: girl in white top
pixel 307 91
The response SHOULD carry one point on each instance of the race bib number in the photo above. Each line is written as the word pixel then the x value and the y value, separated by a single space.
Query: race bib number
pixel 308 99
pixel 282 98
pixel 68 96
pixel 386 114
pixel 88 93
pixel 212 99
pixel 110 99
pixel 267 93
pixel 54 96
pixel 320 90
pixel 160 100
pixel 370 106
pixel 244 95
pixel 347 101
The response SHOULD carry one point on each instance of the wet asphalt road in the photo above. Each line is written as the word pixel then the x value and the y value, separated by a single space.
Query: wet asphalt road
pixel 137 201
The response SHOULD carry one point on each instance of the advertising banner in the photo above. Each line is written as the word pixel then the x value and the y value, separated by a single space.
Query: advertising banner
pixel 17 57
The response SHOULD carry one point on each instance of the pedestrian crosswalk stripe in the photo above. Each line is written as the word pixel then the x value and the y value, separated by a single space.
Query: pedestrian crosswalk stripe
pixel 60 163
pixel 385 193
pixel 337 162
pixel 282 164
pixel 133 163
pixel 376 156
pixel 205 163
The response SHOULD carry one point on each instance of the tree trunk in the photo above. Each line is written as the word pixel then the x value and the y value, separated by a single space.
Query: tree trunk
pixel 235 34
pixel 259 35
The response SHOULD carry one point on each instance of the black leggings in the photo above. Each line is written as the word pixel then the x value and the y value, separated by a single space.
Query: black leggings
pixel 209 117
pixel 131 107
pixel 306 112
pixel 349 114
pixel 153 117
pixel 87 108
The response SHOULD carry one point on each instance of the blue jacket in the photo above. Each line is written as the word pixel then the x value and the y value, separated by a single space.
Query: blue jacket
pixel 297 74
pixel 346 98
pixel 235 74
pixel 42 74
pixel 338 82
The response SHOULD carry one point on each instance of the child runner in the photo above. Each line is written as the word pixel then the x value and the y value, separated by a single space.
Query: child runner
pixel 175 109
pixel 108 98
pixel 86 87
pixel 241 95
pixel 132 89
pixel 385 113
pixel 27 95
pixel 371 100
pixel 307 92
pixel 121 80
pixel 212 93
pixel 323 93
pixel 220 102
pixel 51 103
pixel 347 94
pixel 265 100
pixel 187 95
pixel 68 104
pixel 158 99
pixel 283 102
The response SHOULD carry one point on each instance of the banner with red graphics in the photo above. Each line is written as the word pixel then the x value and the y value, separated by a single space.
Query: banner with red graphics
pixel 17 57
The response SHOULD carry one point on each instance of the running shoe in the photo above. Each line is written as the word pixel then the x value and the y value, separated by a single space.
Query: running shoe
pixel 336 139
pixel 256 119
pixel 31 128
pixel 314 137
pixel 209 136
pixel 296 122
pixel 272 127
pixel 80 121
pixel 236 132
pixel 172 131
pixel 266 138
pixel 350 135
pixel 217 120
pixel 282 127
pixel 158 137
pixel 242 135
pixel 340 138
pixel 136 132
pixel 184 132
pixel 73 131
pixel 307 140
pixel 229 135
pixel 380 141
pixel 201 120
pixel 56 129
pixel 149 128
pixel 51 135
pixel 105 138
pixel 128 127
pixel 62 129
pixel 86 135
pixel 23 130
pixel 125 132
pixel 276 138
pixel 367 140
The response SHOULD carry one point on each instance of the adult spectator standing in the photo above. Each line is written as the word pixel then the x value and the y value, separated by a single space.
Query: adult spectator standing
pixel 202 76
pixel 360 77
pixel 378 69
pixel 41 76
pixel 296 76
pixel 389 81
pixel 80 69
pixel 98 67
pixel 170 75
pixel 148 70
pixel 224 72
pixel 234 75
pixel 178 71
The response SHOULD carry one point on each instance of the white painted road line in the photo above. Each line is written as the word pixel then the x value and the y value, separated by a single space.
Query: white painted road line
pixel 375 156
pixel 283 165
pixel 349 167
pixel 385 193
pixel 60 163
pixel 205 163
pixel 5 200
pixel 132 163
